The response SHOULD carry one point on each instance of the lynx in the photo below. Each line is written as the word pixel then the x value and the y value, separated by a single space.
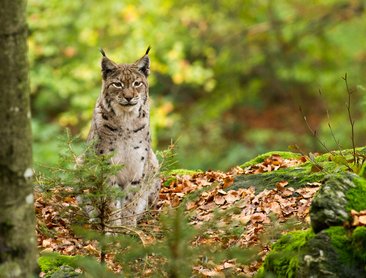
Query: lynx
pixel 121 127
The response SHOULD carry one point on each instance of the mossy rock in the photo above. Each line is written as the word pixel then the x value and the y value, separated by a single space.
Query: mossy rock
pixel 313 171
pixel 335 252
pixel 297 176
pixel 283 260
pixel 261 158
pixel 332 204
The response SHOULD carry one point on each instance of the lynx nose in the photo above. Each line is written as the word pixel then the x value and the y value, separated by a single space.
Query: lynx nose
pixel 128 99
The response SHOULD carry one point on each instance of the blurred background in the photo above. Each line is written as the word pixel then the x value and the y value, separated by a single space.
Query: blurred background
pixel 228 76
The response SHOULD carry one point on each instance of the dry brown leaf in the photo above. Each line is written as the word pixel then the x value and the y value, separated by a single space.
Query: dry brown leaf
pixel 244 219
pixel 46 242
pixel 258 217
pixel 355 221
pixel 232 196
pixel 228 181
pixel 219 200
pixel 191 205
pixel 175 201
pixel 281 185
pixel 362 219
pixel 212 273
pixel 91 249
pixel 222 192
pixel 275 208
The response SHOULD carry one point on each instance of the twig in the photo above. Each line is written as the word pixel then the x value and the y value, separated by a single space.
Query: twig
pixel 352 122
pixel 313 132
pixel 120 229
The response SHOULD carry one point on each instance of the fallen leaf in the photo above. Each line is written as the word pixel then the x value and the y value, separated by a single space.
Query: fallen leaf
pixel 355 221
pixel 281 185
pixel 362 219
pixel 191 205
pixel 219 200
pixel 258 217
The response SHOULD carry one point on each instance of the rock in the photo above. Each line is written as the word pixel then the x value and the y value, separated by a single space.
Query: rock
pixel 335 246
pixel 334 252
pixel 329 206
pixel 334 201
pixel 297 177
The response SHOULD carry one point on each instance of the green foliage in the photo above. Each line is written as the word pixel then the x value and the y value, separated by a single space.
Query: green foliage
pixel 86 175
pixel 283 260
pixel 222 60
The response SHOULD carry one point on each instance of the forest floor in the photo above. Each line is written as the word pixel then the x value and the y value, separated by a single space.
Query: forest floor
pixel 260 217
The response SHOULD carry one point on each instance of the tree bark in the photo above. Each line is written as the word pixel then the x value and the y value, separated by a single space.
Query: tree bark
pixel 17 221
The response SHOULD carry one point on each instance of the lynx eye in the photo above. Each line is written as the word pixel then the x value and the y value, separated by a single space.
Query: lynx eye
pixel 136 84
pixel 118 85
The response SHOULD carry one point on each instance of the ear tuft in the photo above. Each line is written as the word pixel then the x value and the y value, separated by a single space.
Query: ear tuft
pixel 102 52
pixel 148 49
pixel 143 64
pixel 108 66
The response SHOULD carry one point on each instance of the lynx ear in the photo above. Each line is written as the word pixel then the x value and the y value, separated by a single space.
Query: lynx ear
pixel 143 64
pixel 108 66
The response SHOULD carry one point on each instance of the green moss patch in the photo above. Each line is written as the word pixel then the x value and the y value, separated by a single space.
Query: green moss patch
pixel 340 240
pixel 297 177
pixel 52 262
pixel 283 260
pixel 350 247
pixel 358 241
pixel 336 252
pixel 356 196
pixel 263 157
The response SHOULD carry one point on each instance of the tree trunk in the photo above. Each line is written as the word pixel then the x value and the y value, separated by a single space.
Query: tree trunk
pixel 17 221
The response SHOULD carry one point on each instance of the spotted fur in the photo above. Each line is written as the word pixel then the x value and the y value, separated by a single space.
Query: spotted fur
pixel 121 126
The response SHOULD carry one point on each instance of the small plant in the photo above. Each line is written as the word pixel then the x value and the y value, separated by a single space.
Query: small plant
pixel 84 176
pixel 354 159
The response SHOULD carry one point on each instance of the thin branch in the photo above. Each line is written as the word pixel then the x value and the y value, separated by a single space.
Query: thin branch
pixel 120 229
pixel 352 122
pixel 313 131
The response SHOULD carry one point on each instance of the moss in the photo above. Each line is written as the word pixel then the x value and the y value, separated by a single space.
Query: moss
pixel 341 242
pixel 283 260
pixel 328 207
pixel 356 196
pixel 350 246
pixel 182 172
pixel 296 177
pixel 51 262
pixel 263 157
pixel 358 240
pixel 171 175
pixel 335 252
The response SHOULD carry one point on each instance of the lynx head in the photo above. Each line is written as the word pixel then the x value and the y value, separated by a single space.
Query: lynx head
pixel 125 86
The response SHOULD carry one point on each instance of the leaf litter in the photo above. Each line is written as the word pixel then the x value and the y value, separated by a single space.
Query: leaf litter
pixel 248 212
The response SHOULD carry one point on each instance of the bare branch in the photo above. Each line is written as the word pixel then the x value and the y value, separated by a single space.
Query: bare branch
pixel 350 118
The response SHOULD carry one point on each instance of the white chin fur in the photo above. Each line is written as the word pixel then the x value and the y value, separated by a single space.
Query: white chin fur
pixel 124 108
